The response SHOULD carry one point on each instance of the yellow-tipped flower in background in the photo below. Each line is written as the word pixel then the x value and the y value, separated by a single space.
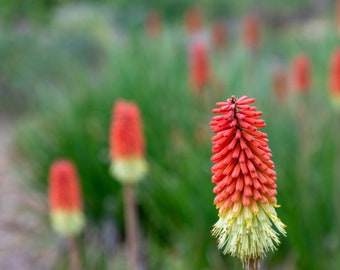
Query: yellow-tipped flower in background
pixel 65 199
pixel 334 79
pixel 245 182
pixel 127 145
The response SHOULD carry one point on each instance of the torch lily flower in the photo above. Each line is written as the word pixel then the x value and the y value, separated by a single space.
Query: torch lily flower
pixel 65 199
pixel 301 73
pixel 127 143
pixel 153 24
pixel 219 34
pixel 193 20
pixel 251 31
pixel 199 66
pixel 245 182
pixel 334 78
pixel 280 83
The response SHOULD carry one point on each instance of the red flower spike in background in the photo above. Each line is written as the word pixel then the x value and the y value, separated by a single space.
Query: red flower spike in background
pixel 251 31
pixel 245 182
pixel 194 20
pixel 334 78
pixel 153 24
pixel 301 73
pixel 280 83
pixel 199 66
pixel 219 35
pixel 65 199
pixel 127 143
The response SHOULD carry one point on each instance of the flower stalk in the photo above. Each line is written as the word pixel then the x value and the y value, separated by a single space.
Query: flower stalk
pixel 131 225
pixel 73 252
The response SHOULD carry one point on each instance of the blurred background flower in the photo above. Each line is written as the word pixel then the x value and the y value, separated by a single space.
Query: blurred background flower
pixel 65 199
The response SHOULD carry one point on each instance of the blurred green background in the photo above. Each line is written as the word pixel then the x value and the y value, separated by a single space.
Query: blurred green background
pixel 64 63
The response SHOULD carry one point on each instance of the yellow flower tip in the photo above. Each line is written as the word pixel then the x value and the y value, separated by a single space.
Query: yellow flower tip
pixel 335 101
pixel 129 170
pixel 246 234
pixel 67 222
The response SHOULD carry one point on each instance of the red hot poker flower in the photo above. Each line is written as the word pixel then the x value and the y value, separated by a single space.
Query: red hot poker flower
pixel 194 20
pixel 245 181
pixel 199 67
pixel 334 73
pixel 334 78
pixel 251 31
pixel 219 34
pixel 280 83
pixel 153 24
pixel 301 73
pixel 127 143
pixel 65 198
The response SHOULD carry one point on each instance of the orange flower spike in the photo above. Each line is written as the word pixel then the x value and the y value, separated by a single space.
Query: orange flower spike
pixel 219 35
pixel 244 175
pixel 199 67
pixel 334 75
pixel 127 145
pixel 302 73
pixel 153 24
pixel 65 198
pixel 193 20
pixel 334 79
pixel 251 31
pixel 280 83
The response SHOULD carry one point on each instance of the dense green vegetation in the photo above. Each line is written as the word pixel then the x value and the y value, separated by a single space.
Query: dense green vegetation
pixel 41 10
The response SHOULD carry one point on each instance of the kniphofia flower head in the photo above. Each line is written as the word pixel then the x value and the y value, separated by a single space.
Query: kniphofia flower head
pixel 301 73
pixel 280 83
pixel 153 24
pixel 245 182
pixel 193 20
pixel 65 198
pixel 199 66
pixel 251 31
pixel 219 34
pixel 334 78
pixel 127 146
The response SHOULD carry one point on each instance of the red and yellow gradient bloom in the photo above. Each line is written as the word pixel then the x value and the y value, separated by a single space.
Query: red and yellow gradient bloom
pixel 301 73
pixel 65 199
pixel 245 182
pixel 127 143
pixel 334 78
